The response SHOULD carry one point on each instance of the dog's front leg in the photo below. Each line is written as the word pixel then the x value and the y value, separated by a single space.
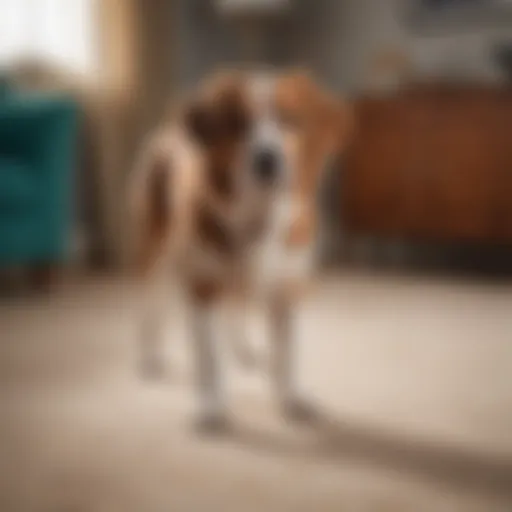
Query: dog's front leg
pixel 211 407
pixel 283 364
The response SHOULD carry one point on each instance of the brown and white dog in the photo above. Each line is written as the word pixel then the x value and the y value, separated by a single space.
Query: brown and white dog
pixel 224 196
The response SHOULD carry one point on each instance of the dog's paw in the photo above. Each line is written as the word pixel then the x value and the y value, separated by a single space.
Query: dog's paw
pixel 212 424
pixel 299 410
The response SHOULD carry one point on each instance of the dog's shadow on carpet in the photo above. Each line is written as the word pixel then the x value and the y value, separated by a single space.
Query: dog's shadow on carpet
pixel 329 439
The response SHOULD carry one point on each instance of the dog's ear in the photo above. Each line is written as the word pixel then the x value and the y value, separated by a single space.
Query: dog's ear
pixel 200 123
pixel 232 113
pixel 330 116
pixel 326 124
pixel 337 120
pixel 220 114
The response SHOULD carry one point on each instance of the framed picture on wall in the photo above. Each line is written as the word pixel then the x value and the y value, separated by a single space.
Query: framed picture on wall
pixel 432 14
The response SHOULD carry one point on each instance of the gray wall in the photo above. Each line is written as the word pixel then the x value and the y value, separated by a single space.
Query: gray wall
pixel 207 40
pixel 336 38
pixel 369 24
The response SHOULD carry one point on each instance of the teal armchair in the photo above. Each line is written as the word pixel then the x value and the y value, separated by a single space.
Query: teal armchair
pixel 38 136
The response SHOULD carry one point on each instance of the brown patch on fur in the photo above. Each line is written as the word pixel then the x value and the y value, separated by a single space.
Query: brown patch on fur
pixel 213 231
pixel 221 180
pixel 324 122
pixel 255 228
pixel 159 195
pixel 295 289
pixel 218 119
pixel 157 215
pixel 302 229
pixel 205 291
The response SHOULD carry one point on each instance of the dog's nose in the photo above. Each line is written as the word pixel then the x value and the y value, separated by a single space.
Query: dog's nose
pixel 266 163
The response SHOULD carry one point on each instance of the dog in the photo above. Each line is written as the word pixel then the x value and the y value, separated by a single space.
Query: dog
pixel 223 195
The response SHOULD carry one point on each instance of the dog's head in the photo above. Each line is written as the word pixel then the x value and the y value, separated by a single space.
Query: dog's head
pixel 268 131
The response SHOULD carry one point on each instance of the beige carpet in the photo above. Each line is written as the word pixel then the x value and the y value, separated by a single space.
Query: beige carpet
pixel 413 378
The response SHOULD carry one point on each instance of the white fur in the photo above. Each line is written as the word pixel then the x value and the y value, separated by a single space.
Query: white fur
pixel 274 262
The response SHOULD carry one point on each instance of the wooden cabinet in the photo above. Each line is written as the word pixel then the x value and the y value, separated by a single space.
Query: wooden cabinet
pixel 432 163
pixel 504 196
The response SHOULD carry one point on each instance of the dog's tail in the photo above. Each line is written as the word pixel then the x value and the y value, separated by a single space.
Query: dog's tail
pixel 150 197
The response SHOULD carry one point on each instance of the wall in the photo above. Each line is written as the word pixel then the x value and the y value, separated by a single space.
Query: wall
pixel 360 27
pixel 206 40
pixel 334 37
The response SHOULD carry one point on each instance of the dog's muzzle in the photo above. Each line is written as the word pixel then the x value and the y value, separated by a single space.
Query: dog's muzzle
pixel 267 165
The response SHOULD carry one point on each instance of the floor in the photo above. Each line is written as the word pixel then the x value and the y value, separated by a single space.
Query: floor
pixel 412 378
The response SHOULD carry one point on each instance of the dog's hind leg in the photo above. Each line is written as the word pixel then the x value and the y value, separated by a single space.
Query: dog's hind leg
pixel 151 327
pixel 154 260
pixel 162 197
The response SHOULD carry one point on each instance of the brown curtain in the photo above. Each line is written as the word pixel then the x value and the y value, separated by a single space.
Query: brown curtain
pixel 135 76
